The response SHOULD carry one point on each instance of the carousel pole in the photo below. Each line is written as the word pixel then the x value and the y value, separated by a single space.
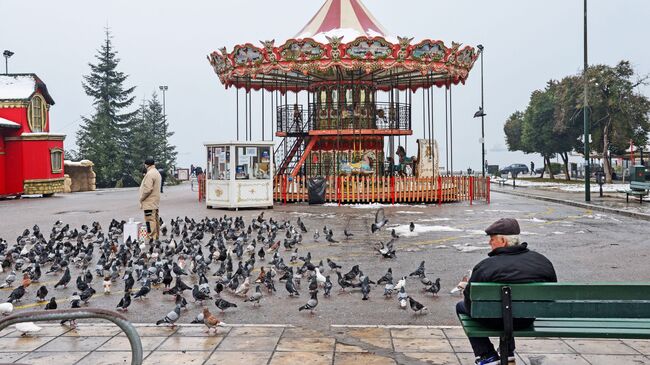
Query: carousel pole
pixel 250 115
pixel 446 130
pixel 237 113
pixel 451 130
pixel 263 110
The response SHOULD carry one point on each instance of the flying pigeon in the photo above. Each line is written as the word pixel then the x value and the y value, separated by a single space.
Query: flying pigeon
pixel 380 221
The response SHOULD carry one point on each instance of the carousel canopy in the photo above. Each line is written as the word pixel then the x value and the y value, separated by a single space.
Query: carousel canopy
pixel 343 43
pixel 348 19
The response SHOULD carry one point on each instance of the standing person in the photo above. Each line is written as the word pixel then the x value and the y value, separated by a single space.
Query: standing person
pixel 532 168
pixel 508 262
pixel 150 198
pixel 191 169
pixel 163 177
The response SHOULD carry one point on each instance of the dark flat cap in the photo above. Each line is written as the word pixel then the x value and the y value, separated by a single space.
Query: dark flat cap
pixel 504 226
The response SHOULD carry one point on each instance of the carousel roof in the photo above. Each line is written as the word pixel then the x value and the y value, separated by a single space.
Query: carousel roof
pixel 343 42
pixel 349 19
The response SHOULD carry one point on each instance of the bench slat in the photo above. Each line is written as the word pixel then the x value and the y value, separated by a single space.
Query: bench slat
pixel 543 328
pixel 561 309
pixel 563 291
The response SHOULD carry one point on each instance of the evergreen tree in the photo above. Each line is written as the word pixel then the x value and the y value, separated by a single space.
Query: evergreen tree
pixel 102 137
pixel 149 137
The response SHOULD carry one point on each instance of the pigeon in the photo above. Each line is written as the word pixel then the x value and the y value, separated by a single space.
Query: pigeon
pixel 125 302
pixel 401 283
pixel 199 318
pixel 41 293
pixel 6 308
pixel 9 280
pixel 343 282
pixel 327 287
pixel 144 290
pixel 291 288
pixel 311 303
pixel 416 306
pixel 129 281
pixel 65 279
pixel 242 290
pixel 316 236
pixel 16 294
pixel 434 288
pixel 329 237
pixel 75 301
pixel 462 284
pixel 419 271
pixel 171 317
pixel 255 298
pixel 380 221
pixel 210 320
pixel 402 298
pixel 107 285
pixel 87 294
pixel 224 304
pixel 387 278
pixel 51 305
pixel 393 234
pixel 198 295
pixel 27 328
pixel 389 288
pixel 333 265
pixel 412 227
pixel 425 280
pixel 347 234
pixel 365 288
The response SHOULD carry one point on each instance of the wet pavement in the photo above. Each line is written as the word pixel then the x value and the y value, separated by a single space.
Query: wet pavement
pixel 584 245
pixel 99 344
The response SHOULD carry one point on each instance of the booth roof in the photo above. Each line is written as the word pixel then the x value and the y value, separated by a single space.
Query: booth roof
pixel 22 87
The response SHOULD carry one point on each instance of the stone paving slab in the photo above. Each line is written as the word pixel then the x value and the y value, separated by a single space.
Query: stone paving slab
pixel 287 345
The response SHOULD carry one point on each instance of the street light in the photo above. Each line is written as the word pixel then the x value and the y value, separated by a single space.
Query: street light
pixel 164 88
pixel 7 53
pixel 481 113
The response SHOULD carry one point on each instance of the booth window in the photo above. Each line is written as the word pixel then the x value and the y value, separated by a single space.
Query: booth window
pixel 56 159
pixel 37 114
pixel 253 163
pixel 218 163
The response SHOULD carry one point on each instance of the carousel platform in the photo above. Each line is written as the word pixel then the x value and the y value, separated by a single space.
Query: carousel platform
pixel 386 189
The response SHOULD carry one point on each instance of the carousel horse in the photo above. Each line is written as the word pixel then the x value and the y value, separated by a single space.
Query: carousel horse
pixel 363 167
pixel 406 166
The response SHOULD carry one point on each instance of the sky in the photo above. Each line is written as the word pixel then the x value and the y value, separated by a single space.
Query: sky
pixel 165 42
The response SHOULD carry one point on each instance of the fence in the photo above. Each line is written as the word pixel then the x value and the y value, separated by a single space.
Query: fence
pixel 386 189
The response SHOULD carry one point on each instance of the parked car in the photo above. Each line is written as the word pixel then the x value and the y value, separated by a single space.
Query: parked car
pixel 517 168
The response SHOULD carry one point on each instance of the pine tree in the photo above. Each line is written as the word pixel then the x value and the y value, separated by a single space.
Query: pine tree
pixel 103 136
pixel 163 151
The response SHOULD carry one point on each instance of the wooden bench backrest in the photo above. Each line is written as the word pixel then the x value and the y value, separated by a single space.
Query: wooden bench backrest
pixel 563 300
pixel 639 185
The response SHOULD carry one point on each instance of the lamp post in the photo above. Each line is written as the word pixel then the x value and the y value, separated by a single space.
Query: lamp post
pixel 481 113
pixel 164 88
pixel 587 127
pixel 7 54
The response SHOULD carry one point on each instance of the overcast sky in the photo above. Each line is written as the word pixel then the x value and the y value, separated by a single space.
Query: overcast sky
pixel 166 42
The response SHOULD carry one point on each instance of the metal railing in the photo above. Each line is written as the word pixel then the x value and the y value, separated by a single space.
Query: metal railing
pixel 82 313
pixel 329 116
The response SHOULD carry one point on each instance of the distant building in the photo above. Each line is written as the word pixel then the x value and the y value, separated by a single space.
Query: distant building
pixel 31 158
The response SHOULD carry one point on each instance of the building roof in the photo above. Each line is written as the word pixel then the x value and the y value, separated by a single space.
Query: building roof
pixel 6 123
pixel 342 18
pixel 22 87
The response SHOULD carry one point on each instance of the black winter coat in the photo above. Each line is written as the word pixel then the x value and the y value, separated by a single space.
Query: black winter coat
pixel 512 264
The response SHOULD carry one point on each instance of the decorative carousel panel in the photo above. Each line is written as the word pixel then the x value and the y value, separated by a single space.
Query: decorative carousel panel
pixel 466 57
pixel 246 55
pixel 367 48
pixel 298 50
pixel 429 50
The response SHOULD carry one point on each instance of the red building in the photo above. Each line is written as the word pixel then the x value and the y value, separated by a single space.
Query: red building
pixel 31 158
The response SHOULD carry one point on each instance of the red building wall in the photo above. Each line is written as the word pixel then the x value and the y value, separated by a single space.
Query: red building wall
pixel 2 163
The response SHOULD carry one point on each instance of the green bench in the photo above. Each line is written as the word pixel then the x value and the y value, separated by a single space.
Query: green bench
pixel 598 310
pixel 637 188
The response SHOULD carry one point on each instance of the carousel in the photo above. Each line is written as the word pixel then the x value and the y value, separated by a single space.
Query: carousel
pixel 341 95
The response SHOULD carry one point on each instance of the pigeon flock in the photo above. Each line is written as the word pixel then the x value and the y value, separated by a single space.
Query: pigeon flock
pixel 226 261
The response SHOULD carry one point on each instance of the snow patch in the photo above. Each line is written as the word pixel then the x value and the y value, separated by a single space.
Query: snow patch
pixel 557 232
pixel 16 87
pixel 404 230
pixel 467 247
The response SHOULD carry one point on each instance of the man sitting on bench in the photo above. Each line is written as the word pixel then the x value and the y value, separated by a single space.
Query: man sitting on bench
pixel 508 262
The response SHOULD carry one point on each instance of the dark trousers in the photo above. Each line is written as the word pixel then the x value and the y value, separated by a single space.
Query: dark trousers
pixel 482 346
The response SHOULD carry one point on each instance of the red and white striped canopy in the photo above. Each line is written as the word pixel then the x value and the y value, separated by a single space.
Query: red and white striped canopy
pixel 342 18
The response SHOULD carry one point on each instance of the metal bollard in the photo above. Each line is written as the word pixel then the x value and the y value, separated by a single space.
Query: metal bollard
pixel 82 313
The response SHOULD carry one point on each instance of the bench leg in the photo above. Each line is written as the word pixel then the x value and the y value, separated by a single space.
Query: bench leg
pixel 503 349
pixel 627 198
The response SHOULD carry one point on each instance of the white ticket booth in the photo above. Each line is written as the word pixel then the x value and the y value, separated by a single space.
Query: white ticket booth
pixel 239 175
